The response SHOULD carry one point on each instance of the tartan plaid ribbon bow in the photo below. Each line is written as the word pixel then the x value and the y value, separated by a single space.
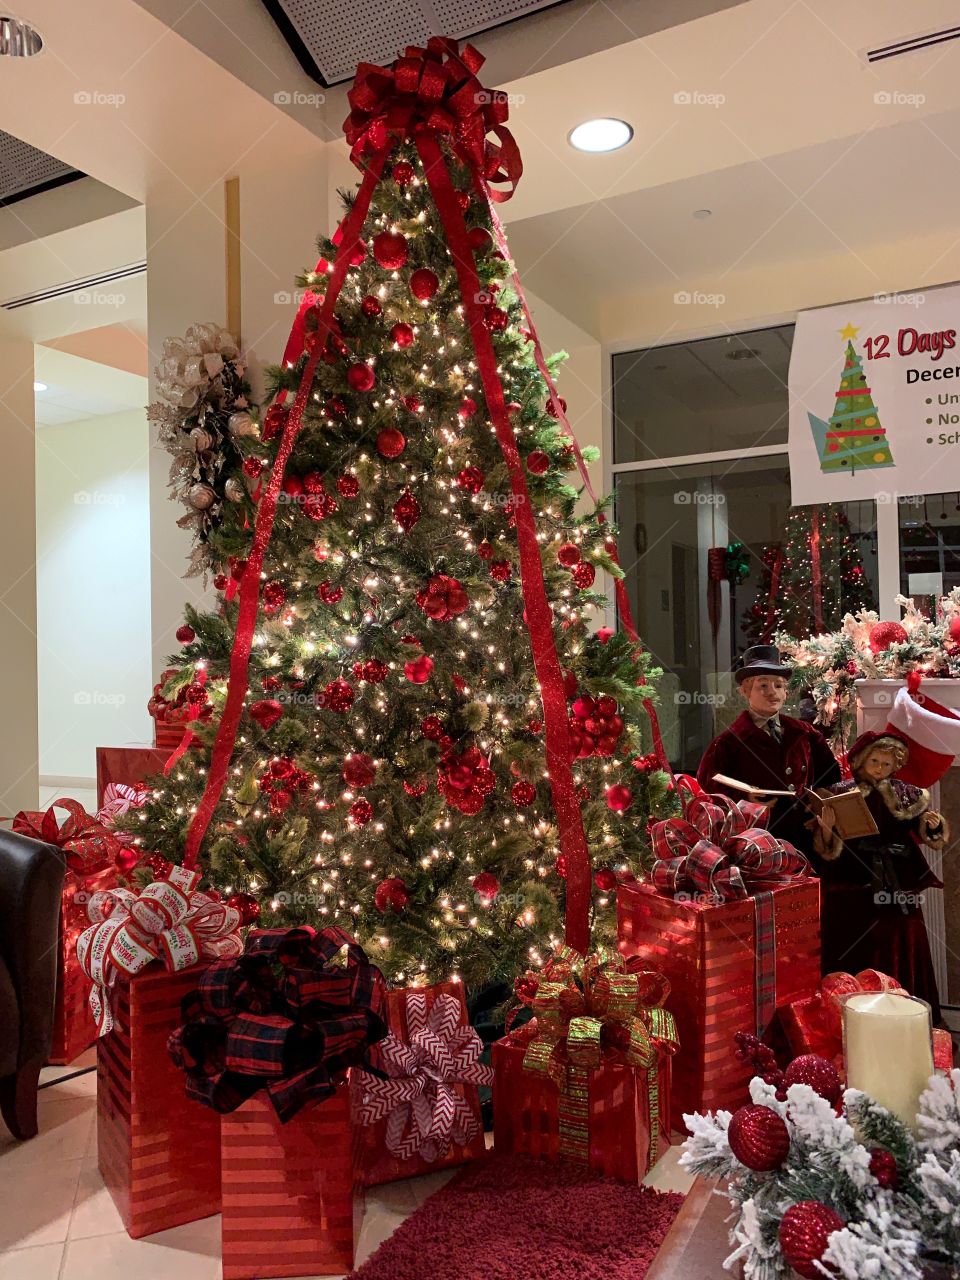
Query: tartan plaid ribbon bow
pixel 87 845
pixel 588 1009
pixel 426 1114
pixel 721 847
pixel 169 921
pixel 296 1008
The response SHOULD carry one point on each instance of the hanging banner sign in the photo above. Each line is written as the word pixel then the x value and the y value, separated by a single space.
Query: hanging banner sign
pixel 875 398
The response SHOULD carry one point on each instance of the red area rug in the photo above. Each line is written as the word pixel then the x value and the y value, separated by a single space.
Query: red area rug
pixel 510 1217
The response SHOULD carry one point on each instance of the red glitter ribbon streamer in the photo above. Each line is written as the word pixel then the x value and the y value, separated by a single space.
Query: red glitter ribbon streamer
pixel 815 572
pixel 775 572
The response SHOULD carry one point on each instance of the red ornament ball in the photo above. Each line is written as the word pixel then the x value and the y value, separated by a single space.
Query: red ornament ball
pixel 538 462
pixel 605 880
pixel 569 555
pixel 805 1231
pixel 412 403
pixel 820 1074
pixel 406 511
pixel 554 409
pixel 371 307
pixel 884 634
pixel 247 905
pixel 424 284
pixel 402 173
pixel 432 727
pixel 523 793
pixel 253 467
pixel 126 860
pixel 500 570
pixel 471 479
pixel 463 200
pixel 485 550
pixel 359 770
pixel 390 249
pixel 570 684
pixel 375 671
pixel 619 798
pixel 560 866
pixel 391 895
pixel 480 239
pixel 273 595
pixel 486 886
pixel 953 630
pixel 402 334
pixel 338 695
pixel 495 319
pixel 361 376
pixel 361 811
pixel 330 592
pixel 348 486
pixel 604 634
pixel 883 1166
pixel 185 634
pixel 391 442
pixel 584 575
pixel 759 1138
pixel 419 670
pixel 274 420
pixel 467 408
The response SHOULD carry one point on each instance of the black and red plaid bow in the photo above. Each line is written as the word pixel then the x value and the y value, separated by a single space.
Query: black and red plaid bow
pixel 283 1016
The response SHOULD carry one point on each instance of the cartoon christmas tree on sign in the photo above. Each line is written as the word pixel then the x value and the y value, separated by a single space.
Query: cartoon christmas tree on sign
pixel 411 731
pixel 853 439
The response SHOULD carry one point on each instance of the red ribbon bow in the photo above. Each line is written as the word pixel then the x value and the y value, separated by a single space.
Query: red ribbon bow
pixel 88 846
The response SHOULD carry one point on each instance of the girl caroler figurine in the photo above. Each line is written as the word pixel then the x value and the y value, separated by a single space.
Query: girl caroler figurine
pixel 872 886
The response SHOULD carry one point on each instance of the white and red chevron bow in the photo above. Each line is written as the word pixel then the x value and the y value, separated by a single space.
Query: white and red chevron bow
pixel 426 1113
pixel 119 798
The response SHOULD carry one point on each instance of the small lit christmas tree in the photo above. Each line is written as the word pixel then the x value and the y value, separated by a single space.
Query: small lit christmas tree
pixel 811 579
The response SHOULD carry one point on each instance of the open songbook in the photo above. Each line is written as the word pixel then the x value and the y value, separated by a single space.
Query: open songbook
pixel 852 816
pixel 736 785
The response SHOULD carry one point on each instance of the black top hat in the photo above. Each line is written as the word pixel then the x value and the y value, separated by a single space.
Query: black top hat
pixel 760 660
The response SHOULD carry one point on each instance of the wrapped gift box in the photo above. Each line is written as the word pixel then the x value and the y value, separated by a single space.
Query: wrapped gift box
pixel 74 1029
pixel 379 1163
pixel 158 1152
pixel 291 1204
pixel 708 952
pixel 527 1110
pixel 130 765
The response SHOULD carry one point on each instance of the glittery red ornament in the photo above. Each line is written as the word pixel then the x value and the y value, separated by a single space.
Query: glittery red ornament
pixel 359 770
pixel 883 1166
pixel 361 811
pixel 126 860
pixel 375 671
pixel 584 575
pixel 485 550
pixel 604 634
pixel 271 682
pixel 759 1138
pixel 390 249
pixel 605 880
pixel 480 239
pixel 535 726
pixel 273 596
pixel 424 284
pixel 443 598
pixel 266 712
pixel 348 486
pixel 335 407
pixel 570 683
pixel 569 555
pixel 330 592
pixel 247 905
pixel 432 727
pixel 338 695
pixel 274 420
pixel 418 671
pixel 406 511
pixel 416 788
pixel 185 634
pixel 486 886
pixel 402 173
pixel 553 409
pixel 471 479
pixel 158 864
pixel 467 408
pixel 805 1231
pixel 402 334
pixel 413 404
pixel 391 895
pixel 884 634
pixel 953 629
pixel 391 442
pixel 371 307
pixel 495 319
pixel 523 793
pixel 253 467
pixel 619 798
pixel 819 1073
pixel 560 866
pixel 538 462
pixel 361 376
pixel 501 570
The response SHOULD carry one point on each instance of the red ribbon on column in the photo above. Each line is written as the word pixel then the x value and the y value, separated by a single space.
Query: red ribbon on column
pixel 815 571
pixel 775 571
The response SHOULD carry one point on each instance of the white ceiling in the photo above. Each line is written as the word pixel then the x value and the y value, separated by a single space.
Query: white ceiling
pixel 78 389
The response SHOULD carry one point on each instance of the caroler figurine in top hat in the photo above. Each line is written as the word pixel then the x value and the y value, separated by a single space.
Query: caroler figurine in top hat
pixel 872 886
pixel 770 751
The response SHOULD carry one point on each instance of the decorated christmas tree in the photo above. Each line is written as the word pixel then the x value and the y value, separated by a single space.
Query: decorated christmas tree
pixel 853 437
pixel 811 579
pixel 402 721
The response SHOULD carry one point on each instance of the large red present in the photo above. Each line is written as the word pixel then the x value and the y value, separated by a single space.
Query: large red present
pixel 588 1079
pixel 129 766
pixel 158 1152
pixel 426 1114
pixel 291 1197
pixel 732 920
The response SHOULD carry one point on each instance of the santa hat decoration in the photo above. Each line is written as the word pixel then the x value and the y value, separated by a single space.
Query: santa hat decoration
pixel 931 731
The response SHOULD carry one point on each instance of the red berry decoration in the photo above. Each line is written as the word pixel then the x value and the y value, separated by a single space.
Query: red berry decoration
pixel 883 1166
pixel 338 695
pixel 619 799
pixel 390 250
pixel 185 634
pixel 419 670
pixel 584 575
pixel 391 442
pixel 330 592
pixel 348 486
pixel 358 770
pixel 402 334
pixel 819 1073
pixel 371 307
pixel 884 634
pixel 443 598
pixel 424 284
pixel 375 671
pixel 246 905
pixel 127 860
pixel 495 319
pixel 402 173
pixel 274 420
pixel 480 239
pixel 805 1231
pixel 391 895
pixel 361 376
pixel 486 886
pixel 266 712
pixel 538 462
pixel 569 555
pixel 273 596
pixel 361 811
pixel 523 793
pixel 605 880
pixel 467 408
pixel 406 511
pixel 471 479
pixel 759 1138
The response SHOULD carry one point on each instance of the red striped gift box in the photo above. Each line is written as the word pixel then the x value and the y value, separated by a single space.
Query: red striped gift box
pixel 158 1152
pixel 708 954
pixel 289 1202
pixel 74 1028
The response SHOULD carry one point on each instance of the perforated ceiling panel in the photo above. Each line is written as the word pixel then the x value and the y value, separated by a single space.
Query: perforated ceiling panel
pixel 24 170
pixel 330 37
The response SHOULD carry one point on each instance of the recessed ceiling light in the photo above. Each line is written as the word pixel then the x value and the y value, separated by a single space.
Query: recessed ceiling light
pixel 604 134
pixel 39 386
pixel 702 214
pixel 17 39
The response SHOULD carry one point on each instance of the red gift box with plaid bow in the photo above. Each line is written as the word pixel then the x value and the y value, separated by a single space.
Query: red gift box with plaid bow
pixel 731 917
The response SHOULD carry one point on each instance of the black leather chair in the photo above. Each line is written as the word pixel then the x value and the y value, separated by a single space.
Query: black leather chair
pixel 31 884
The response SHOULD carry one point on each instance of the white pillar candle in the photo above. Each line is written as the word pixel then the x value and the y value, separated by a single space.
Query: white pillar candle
pixel 888 1049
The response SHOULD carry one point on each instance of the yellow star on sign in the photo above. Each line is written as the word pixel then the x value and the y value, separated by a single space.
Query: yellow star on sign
pixel 850 331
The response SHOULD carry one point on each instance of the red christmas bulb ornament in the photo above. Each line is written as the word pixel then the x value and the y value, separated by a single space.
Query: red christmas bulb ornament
pixel 391 895
pixel 605 880
pixel 883 1166
pixel 158 864
pixel 338 696
pixel 570 684
pixel 424 284
pixel 371 307
pixel 402 334
pixel 759 1138
pixel 884 634
pixel 246 905
pixel 348 486
pixel 553 409
pixel 274 420
pixel 953 630
pixel 273 596
pixel 313 482
pixel 619 798
pixel 375 671
pixel 419 670
pixel 361 811
pixel 252 467
pixel 391 442
pixel 185 634
pixel 416 788
pixel 406 511
pixel 604 634
pixel 480 239
pixel 361 376
pixel 471 479
pixel 819 1073
pixel 359 770
pixel 271 682
pixel 569 555
pixel 804 1234
pixel 495 319
pixel 413 404
pixel 266 712
pixel 500 570
pixel 292 486
pixel 335 407
pixel 584 575
pixel 432 727
pixel 390 249
pixel 467 408
pixel 485 550
pixel 560 866
pixel 402 173
pixel 535 726
pixel 538 463
pixel 523 793
pixel 330 592
pixel 127 860
pixel 486 886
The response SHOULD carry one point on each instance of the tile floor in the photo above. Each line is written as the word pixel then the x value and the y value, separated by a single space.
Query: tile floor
pixel 57 1221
